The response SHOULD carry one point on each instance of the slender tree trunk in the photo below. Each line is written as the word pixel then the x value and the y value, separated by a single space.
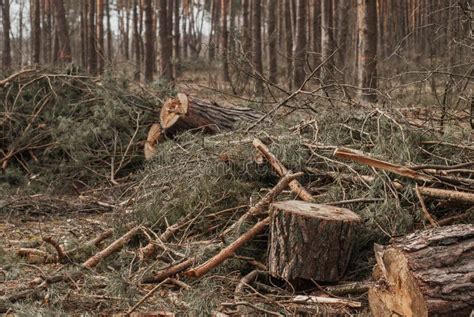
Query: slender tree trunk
pixel 20 33
pixel 127 30
pixel 342 30
pixel 110 47
pixel 288 43
pixel 149 42
pixel 47 30
pixel 36 31
pixel 165 43
pixel 177 35
pixel 316 26
pixel 300 43
pixel 100 35
pixel 257 45
pixel 367 27
pixel 246 42
pixel 272 40
pixel 6 53
pixel 136 41
pixel 84 38
pixel 185 28
pixel 327 40
pixel 225 40
pixel 92 64
pixel 63 32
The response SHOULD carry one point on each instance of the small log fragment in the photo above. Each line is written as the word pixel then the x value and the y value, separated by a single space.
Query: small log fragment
pixel 187 113
pixel 427 273
pixel 281 170
pixel 310 241
pixel 154 135
pixel 169 271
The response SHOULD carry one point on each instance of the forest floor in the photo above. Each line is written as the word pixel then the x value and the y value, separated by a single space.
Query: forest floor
pixel 77 173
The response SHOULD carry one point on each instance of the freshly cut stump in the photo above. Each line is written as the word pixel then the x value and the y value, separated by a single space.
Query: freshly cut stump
pixel 186 113
pixel 310 241
pixel 427 273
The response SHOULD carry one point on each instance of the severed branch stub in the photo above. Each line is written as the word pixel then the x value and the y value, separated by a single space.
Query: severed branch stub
pixel 281 170
pixel 228 251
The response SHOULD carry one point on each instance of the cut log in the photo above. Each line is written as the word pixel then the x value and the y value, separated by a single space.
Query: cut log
pixel 310 241
pixel 427 273
pixel 188 113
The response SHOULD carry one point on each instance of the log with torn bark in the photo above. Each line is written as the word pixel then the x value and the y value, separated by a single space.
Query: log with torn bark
pixel 427 273
pixel 185 113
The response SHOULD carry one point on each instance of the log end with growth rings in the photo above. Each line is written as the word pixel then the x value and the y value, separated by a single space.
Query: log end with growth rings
pixel 173 109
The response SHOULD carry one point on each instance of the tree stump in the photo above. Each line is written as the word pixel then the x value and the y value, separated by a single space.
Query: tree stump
pixel 186 113
pixel 310 241
pixel 427 273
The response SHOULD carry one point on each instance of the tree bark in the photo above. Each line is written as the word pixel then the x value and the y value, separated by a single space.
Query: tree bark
pixel 136 42
pixel 427 273
pixel 149 41
pixel 272 40
pixel 100 36
pixel 327 41
pixel 225 40
pixel 6 52
pixel 257 46
pixel 110 46
pixel 165 43
pixel 92 63
pixel 246 29
pixel 288 42
pixel 176 25
pixel 299 49
pixel 310 241
pixel 36 31
pixel 367 49
pixel 186 113
pixel 63 32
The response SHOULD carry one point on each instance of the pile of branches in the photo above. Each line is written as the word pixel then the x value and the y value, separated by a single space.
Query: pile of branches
pixel 188 230
pixel 78 128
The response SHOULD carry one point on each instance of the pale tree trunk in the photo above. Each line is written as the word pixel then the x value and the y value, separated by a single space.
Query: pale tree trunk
pixel 257 46
pixel 92 63
pixel 36 31
pixel 367 65
pixel 65 55
pixel 288 42
pixel 299 51
pixel 136 41
pixel 100 35
pixel 110 47
pixel 6 53
pixel 165 43
pixel 327 41
pixel 225 40
pixel 149 43
pixel 272 40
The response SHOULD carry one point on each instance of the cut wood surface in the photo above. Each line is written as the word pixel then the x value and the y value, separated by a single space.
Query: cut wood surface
pixel 187 113
pixel 427 273
pixel 310 241
pixel 362 158
pixel 154 135
pixel 281 170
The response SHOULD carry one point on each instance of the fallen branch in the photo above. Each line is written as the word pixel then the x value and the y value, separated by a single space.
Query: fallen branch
pixel 362 158
pixel 425 210
pixel 324 300
pixel 112 248
pixel 447 194
pixel 169 271
pixel 281 170
pixel 228 251
pixel 148 295
pixel 244 281
pixel 62 257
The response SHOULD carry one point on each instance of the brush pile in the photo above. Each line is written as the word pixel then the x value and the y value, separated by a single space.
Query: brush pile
pixel 190 230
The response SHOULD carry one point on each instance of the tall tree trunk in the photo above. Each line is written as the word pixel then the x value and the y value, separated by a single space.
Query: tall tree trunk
pixel 100 35
pixel 136 41
pixel 110 47
pixel 246 26
pixel 127 30
pixel 257 45
pixel 36 31
pixel 300 43
pixel 225 40
pixel 342 30
pixel 6 53
pixel 185 28
pixel 149 41
pixel 92 64
pixel 165 43
pixel 47 30
pixel 176 25
pixel 316 26
pixel 84 37
pixel 288 43
pixel 327 40
pixel 367 65
pixel 63 32
pixel 272 40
